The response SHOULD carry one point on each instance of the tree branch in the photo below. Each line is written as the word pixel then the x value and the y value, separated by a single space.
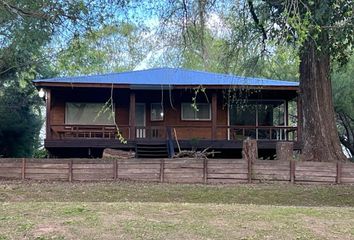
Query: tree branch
pixel 19 11
pixel 256 21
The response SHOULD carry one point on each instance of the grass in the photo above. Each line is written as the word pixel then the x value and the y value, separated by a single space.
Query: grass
pixel 264 194
pixel 33 210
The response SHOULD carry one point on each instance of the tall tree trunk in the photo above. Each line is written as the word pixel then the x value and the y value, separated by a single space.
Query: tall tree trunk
pixel 319 133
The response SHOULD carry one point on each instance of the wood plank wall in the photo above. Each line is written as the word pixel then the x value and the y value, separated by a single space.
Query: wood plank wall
pixel 172 115
pixel 178 170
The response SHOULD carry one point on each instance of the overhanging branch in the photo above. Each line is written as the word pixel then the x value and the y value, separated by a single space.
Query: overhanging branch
pixel 256 21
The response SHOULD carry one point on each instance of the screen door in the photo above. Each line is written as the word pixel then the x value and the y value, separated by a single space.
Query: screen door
pixel 140 122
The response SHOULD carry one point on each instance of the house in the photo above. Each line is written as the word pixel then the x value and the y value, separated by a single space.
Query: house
pixel 152 109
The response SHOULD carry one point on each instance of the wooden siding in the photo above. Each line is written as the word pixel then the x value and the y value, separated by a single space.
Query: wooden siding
pixel 172 114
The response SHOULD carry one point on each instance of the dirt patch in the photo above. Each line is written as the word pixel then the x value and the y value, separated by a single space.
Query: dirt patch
pixel 50 230
pixel 329 229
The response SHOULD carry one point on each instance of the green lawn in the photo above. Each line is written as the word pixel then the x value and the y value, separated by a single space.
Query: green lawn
pixel 32 210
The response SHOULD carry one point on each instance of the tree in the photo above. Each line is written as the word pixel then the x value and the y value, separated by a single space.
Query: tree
pixel 26 27
pixel 323 32
pixel 111 48
pixel 20 122
pixel 198 42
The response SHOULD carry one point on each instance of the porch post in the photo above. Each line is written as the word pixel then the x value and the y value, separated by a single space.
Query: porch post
pixel 132 115
pixel 48 108
pixel 214 110
pixel 287 113
pixel 299 118
pixel 286 133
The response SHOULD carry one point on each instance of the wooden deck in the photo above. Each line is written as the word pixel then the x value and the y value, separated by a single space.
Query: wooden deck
pixel 89 141
pixel 185 144
pixel 226 137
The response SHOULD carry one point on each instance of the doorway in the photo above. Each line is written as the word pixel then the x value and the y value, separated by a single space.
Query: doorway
pixel 140 120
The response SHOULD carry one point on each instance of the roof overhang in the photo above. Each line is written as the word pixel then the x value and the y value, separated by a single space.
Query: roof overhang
pixel 156 86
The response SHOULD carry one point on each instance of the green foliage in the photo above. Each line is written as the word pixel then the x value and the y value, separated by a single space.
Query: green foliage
pixel 192 54
pixel 40 153
pixel 343 88
pixel 20 121
pixel 343 95
pixel 30 33
pixel 282 63
pixel 111 48
pixel 26 26
pixel 238 49
pixel 327 23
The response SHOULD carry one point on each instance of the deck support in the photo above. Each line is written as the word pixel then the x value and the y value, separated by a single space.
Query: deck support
pixel 132 116
pixel 214 109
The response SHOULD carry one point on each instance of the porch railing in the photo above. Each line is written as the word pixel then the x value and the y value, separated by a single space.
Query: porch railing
pixel 223 132
pixel 87 131
pixel 287 133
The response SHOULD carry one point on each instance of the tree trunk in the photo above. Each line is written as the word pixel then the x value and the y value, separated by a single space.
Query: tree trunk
pixel 319 133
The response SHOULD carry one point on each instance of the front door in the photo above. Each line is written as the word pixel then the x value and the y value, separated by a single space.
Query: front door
pixel 140 120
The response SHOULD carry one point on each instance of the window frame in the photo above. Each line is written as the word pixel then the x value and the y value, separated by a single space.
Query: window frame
pixel 258 102
pixel 195 119
pixel 162 108
pixel 86 124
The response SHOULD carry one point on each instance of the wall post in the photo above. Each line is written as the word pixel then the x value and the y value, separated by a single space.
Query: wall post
pixel 115 169
pixel 205 170
pixel 214 113
pixel 48 100
pixel 339 172
pixel 162 169
pixel 250 154
pixel 292 171
pixel 299 118
pixel 70 170
pixel 132 116
pixel 23 169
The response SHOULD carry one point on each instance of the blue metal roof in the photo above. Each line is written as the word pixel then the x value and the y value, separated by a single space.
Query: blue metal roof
pixel 169 76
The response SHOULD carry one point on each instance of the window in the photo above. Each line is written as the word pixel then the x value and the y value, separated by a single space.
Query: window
pixel 88 114
pixel 190 113
pixel 258 113
pixel 244 114
pixel 156 112
pixel 271 113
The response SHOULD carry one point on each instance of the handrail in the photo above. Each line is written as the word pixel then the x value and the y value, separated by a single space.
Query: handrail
pixel 86 131
pixel 87 126
pixel 175 126
pixel 252 127
pixel 233 132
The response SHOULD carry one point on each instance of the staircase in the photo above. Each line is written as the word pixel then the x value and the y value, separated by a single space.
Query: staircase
pixel 151 150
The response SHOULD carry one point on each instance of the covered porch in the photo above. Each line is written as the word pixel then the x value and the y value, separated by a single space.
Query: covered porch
pixel 75 118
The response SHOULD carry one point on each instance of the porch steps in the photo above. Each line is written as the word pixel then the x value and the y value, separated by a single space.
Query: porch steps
pixel 151 150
